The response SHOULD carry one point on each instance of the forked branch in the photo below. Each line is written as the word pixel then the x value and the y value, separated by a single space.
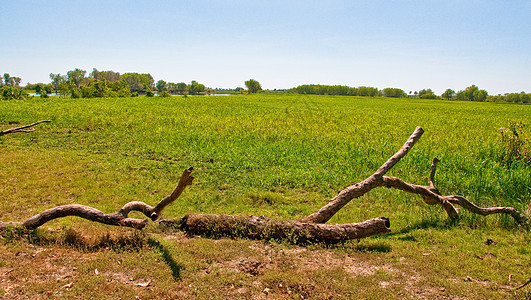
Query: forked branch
pixel 430 194
pixel 361 188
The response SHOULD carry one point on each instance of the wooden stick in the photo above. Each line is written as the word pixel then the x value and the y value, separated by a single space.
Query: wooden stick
pixel 22 128
pixel 526 283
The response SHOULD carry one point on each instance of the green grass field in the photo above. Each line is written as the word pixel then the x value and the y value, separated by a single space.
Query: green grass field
pixel 282 156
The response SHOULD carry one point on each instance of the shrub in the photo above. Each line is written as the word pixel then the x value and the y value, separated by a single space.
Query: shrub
pixel 12 92
pixel 164 94
pixel 516 142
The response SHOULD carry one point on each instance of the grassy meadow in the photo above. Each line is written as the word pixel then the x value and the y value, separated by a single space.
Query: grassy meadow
pixel 278 155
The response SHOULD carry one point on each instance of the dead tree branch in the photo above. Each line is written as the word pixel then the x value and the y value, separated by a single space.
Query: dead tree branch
pixel 360 188
pixel 85 212
pixel 119 218
pixel 430 194
pixel 22 128
pixel 523 285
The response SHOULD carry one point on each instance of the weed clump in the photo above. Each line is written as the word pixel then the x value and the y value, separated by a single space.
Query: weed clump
pixel 516 142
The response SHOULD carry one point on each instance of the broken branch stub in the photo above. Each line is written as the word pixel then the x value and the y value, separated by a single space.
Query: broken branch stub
pixel 154 212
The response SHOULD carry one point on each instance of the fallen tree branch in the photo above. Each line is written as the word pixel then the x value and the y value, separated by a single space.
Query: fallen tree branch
pixel 431 198
pixel 85 212
pixel 430 194
pixel 523 285
pixel 119 218
pixel 465 203
pixel 360 188
pixel 22 128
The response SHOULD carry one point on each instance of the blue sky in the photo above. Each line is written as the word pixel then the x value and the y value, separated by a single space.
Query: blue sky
pixel 411 45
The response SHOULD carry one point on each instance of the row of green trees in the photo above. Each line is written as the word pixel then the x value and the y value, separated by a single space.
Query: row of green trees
pixel 471 93
pixel 77 84
pixel 511 97
pixel 319 89
pixel 169 88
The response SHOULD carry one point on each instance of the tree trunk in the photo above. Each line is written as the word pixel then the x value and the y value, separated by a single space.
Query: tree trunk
pixel 264 228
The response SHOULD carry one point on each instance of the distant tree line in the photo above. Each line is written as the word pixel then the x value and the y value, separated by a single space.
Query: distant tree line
pixel 319 89
pixel 471 93
pixel 166 89
pixel 76 84
pixel 511 97
pixel 394 93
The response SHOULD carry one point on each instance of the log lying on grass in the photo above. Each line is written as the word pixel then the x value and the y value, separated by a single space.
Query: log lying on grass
pixel 22 128
pixel 307 229
pixel 264 228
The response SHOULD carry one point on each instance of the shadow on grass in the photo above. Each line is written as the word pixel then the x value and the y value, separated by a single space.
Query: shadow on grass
pixel 424 224
pixel 72 238
pixel 367 245
pixel 166 256
pixel 379 247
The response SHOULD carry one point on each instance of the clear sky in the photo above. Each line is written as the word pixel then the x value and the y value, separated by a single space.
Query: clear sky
pixel 409 44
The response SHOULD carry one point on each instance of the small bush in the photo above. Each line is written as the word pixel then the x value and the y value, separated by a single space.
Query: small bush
pixel 13 92
pixel 164 94
pixel 516 142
